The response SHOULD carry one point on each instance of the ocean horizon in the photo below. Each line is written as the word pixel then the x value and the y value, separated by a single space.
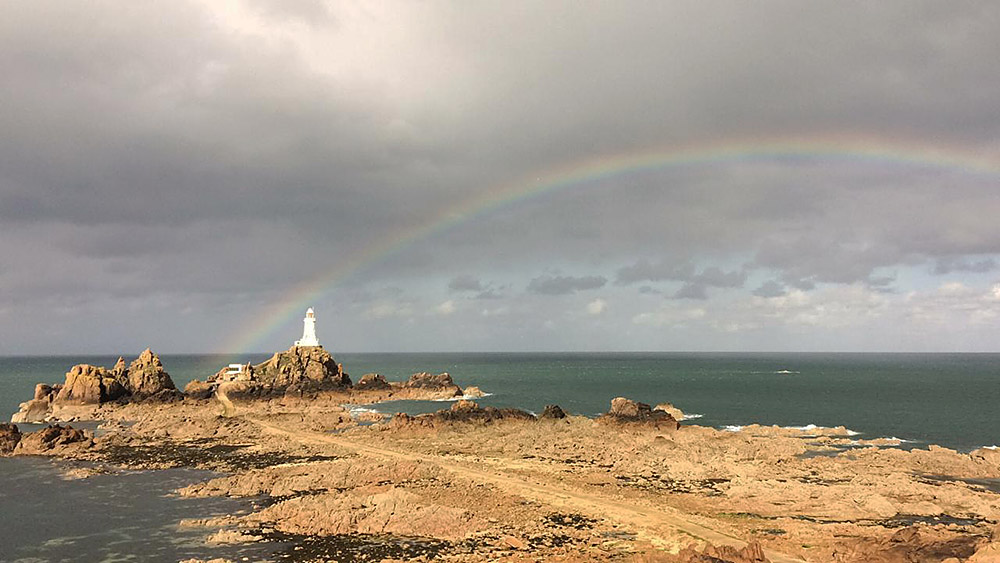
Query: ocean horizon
pixel 921 397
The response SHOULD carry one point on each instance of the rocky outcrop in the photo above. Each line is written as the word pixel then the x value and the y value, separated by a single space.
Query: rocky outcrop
pixel 673 411
pixel 751 553
pixel 10 436
pixel 424 380
pixel 552 412
pixel 473 392
pixel 89 385
pixel 86 384
pixel 296 372
pixel 372 382
pixel 145 376
pixel 624 411
pixel 53 440
pixel 461 411
pixel 199 389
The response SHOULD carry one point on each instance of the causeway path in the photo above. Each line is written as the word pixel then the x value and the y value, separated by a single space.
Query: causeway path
pixel 659 525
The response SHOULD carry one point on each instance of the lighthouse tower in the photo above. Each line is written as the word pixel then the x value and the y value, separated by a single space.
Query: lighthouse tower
pixel 308 330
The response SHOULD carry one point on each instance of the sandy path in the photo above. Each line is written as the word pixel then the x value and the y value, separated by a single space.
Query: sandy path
pixel 650 522
pixel 228 409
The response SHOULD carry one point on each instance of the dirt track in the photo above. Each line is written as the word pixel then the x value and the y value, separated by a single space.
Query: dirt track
pixel 659 525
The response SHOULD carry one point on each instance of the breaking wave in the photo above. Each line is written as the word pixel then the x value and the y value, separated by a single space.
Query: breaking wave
pixel 691 416
pixel 463 398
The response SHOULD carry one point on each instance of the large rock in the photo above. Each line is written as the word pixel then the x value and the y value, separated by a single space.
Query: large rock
pixel 552 412
pixel 52 440
pixel 10 436
pixel 372 381
pixel 461 411
pixel 89 385
pixel 628 411
pixel 145 376
pixel 302 367
pixel 424 380
pixel 751 553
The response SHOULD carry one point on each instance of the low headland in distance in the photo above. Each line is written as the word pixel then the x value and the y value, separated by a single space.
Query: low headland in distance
pixel 329 474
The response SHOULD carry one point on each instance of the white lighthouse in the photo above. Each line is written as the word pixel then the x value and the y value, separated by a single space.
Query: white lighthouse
pixel 308 330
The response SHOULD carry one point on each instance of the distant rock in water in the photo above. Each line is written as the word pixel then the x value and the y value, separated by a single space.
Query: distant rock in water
pixel 473 392
pixel 86 384
pixel 424 380
pixel 628 411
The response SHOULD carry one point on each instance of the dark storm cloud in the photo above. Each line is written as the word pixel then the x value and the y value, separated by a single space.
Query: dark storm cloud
pixel 211 157
pixel 562 285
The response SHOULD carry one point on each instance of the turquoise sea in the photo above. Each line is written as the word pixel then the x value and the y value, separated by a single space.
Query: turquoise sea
pixel 946 399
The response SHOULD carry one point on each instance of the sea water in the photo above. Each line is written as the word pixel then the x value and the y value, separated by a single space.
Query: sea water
pixel 945 399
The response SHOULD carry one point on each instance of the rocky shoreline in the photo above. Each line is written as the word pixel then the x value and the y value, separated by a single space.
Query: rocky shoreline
pixel 478 483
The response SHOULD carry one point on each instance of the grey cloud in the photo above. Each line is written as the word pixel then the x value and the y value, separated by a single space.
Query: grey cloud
pixel 770 288
pixel 465 283
pixel 947 265
pixel 692 291
pixel 562 285
pixel 186 156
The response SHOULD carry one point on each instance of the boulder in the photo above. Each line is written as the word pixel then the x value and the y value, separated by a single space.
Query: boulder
pixel 473 392
pixel 372 381
pixel 552 412
pixel 10 436
pixel 52 439
pixel 628 411
pixel 146 376
pixel 673 411
pixel 86 384
pixel 33 411
pixel 199 389
pixel 424 380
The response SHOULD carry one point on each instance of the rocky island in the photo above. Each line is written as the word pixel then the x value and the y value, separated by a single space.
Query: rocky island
pixel 479 483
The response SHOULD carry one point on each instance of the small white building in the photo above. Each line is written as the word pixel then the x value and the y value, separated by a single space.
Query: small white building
pixel 308 330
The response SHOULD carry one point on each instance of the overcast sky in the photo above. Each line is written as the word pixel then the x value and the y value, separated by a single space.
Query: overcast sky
pixel 170 171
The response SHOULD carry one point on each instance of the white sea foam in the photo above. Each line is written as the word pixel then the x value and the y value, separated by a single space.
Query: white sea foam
pixel 806 428
pixel 732 428
pixel 691 416
pixel 463 398
pixel 787 372
pixel 356 410
pixel 989 447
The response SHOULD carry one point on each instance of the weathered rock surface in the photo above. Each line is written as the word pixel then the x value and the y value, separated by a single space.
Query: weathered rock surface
pixel 145 376
pixel 461 411
pixel 424 380
pixel 295 372
pixel 85 384
pixel 10 435
pixel 752 553
pixel 628 411
pixel 473 392
pixel 372 381
pixel 53 440
pixel 668 408
pixel 552 412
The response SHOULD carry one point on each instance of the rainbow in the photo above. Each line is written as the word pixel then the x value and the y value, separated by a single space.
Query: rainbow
pixel 853 148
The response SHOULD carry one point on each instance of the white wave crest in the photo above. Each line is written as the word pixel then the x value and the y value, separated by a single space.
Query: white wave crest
pixel 691 416
pixel 787 372
pixel 732 428
pixel 462 398
pixel 990 447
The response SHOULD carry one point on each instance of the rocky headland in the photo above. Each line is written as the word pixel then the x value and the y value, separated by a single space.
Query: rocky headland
pixel 479 483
